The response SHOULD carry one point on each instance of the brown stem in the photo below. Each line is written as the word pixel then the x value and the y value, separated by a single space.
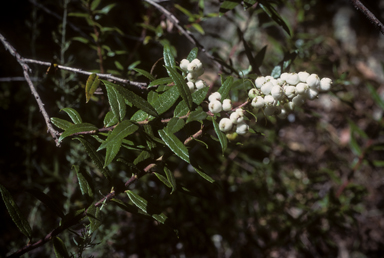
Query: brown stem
pixel 370 16
pixel 26 70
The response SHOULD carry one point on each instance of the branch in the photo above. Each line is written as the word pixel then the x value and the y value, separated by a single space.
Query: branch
pixel 370 16
pixel 26 69
pixel 189 35
pixel 141 85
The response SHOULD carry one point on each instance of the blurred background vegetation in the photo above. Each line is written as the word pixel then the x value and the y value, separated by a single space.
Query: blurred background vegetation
pixel 308 186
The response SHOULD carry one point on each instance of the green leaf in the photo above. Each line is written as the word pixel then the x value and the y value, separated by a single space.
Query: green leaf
pixel 77 128
pixel 175 125
pixel 142 204
pixel 197 115
pixel 175 145
pixel 106 9
pixel 47 201
pixel 59 248
pixel 222 138
pixel 15 213
pixel 136 100
pixel 92 84
pixel 96 157
pixel 116 101
pixel 85 182
pixel 145 73
pixel 95 217
pixel 271 12
pixel 161 81
pixel 171 178
pixel 142 156
pixel 192 54
pixel 85 15
pixel 166 100
pixel 112 151
pixel 259 58
pixel 121 131
pixel 375 96
pixel 163 179
pixel 152 96
pixel 197 97
pixel 150 135
pixel 226 87
pixel 169 60
pixel 203 175
pixel 198 28
pixel 276 72
pixel 81 39
pixel 118 65
pixel 95 4
pixel 181 85
pixel 61 123
pixel 110 119
pixel 73 114
pixel 227 6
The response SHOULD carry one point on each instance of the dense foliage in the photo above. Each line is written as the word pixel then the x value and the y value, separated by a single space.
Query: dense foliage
pixel 142 161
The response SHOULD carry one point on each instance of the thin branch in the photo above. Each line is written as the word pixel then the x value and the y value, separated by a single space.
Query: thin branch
pixel 141 85
pixel 189 35
pixel 26 69
pixel 370 16
pixel 17 79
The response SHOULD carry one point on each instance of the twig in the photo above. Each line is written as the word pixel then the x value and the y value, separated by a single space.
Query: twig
pixel 26 69
pixel 189 35
pixel 141 85
pixel 370 16
pixel 16 79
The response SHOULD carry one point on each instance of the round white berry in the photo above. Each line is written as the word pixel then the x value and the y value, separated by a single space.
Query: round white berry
pixel 236 117
pixel 227 105
pixel 184 64
pixel 325 84
pixel 252 93
pixel 259 81
pixel 270 100
pixel 242 128
pixel 298 100
pixel 258 102
pixel 301 88
pixel 290 91
pixel 198 64
pixel 292 79
pixel 215 106
pixel 303 76
pixel 214 96
pixel 266 88
pixel 284 76
pixel 200 84
pixel 191 77
pixel 191 86
pixel 225 125
pixel 277 92
pixel 313 81
pixel 311 94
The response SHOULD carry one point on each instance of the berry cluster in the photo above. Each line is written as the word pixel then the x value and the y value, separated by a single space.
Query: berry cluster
pixel 194 69
pixel 280 96
pixel 274 96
